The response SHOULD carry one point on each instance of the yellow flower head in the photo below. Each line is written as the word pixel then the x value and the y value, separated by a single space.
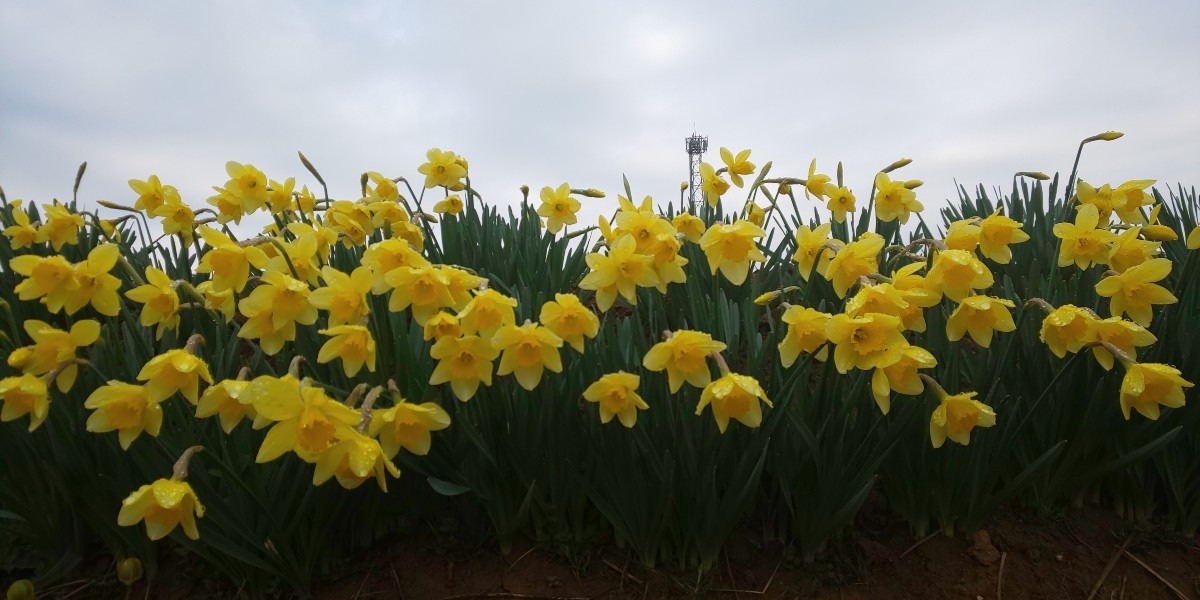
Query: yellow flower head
pixel 352 461
pixel 996 233
pixel 841 201
pixel 153 194
pixel 805 333
pixel 882 298
pixel 1148 385
pixel 684 356
pixel 811 244
pixel 386 213
pixel 425 289
pixel 956 272
pixel 1100 199
pixel 1082 243
pixel 712 185
pixel 570 320
pixel 351 220
pixel 307 421
pixel 451 205
pixel 979 316
pixel 963 235
pixel 26 394
pixel 21 233
pixel 440 325
pixel 279 302
pixel 957 415
pixel 461 285
pixel 486 313
pixel 177 219
pixel 61 226
pixel 229 207
pixel 344 296
pixel 247 184
pixel 901 377
pixel 124 408
pixel 558 207
pixel 351 343
pixel 730 248
pixel 616 393
pixel 527 351
pixel 815 184
pixel 51 277
pixel 1135 292
pixel 53 347
pixel 1156 231
pixel 279 195
pixel 1193 239
pixel 1129 198
pixel 163 505
pixel 734 396
pixel 464 362
pixel 871 341
pixel 386 256
pixel 622 270
pixel 738 165
pixel 1125 335
pixel 1129 250
pixel 175 371
pixel 893 200
pixel 160 303
pixel 95 285
pixel 407 426
pixel 1066 329
pixel 221 301
pixel 689 225
pixel 442 169
pixel 856 259
pixel 226 400
pixel 228 262
pixel 383 189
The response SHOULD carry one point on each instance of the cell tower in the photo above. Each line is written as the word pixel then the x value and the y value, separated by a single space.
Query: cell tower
pixel 696 146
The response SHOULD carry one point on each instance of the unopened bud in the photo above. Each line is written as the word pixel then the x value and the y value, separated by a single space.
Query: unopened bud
pixel 683 185
pixel 21 589
pixel 1038 175
pixel 1159 233
pixel 896 165
pixel 129 571
pixel 785 188
pixel 1107 136
pixel 767 298
pixel 589 192
pixel 913 184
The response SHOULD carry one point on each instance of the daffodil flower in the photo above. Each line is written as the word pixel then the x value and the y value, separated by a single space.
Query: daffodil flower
pixel 616 394
pixel 163 505
pixel 684 356
pixel 125 408
pixel 527 351
pixel 734 396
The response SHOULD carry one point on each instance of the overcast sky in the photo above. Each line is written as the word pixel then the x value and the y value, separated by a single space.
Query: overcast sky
pixel 539 93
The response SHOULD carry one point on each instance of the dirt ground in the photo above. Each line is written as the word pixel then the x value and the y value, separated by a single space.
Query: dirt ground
pixel 1013 558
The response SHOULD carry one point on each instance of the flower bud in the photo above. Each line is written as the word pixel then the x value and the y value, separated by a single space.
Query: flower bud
pixel 129 571
pixel 1107 136
pixel 913 184
pixel 1038 175
pixel 589 193
pixel 785 189
pixel 896 165
pixel 683 185
pixel 21 589
pixel 1159 233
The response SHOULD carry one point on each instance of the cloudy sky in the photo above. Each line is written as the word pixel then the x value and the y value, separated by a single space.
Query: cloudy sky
pixel 539 93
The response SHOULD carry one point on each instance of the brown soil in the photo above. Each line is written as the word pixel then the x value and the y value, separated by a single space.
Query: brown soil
pixel 1013 558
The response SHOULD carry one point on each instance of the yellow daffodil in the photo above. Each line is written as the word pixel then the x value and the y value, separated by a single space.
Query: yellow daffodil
pixel 300 259
pixel 1129 198
pixel 247 184
pixel 841 201
pixel 871 341
pixel 124 408
pixel 440 325
pixel 558 207
pixel 464 362
pixel 815 184
pixel 737 166
pixel 1193 239
pixel 882 298
pixel 221 301
pixel 956 416
pixel 353 460
pixel 163 505
pixel 684 356
pixel 527 351
pixel 442 169
pixel 153 194
pixel 963 235
pixel 1129 250
pixel 451 205
pixel 622 270
pixel 668 263
pixel 229 207
pixel 731 248
pixel 1125 335
pixel 734 396
pixel 344 296
pixel 1066 329
pixel 1156 231
pixel 386 256
pixel 690 226
pixel 279 195
pixel 1099 198
pixel 1135 292
pixel 461 285
pixel 352 222
pixel 805 334
pixel 616 394
pixel 60 226
pixel 177 219
pixel 21 233
pixel 1146 386
pixel 996 233
pixel 712 185
pixel 54 347
pixel 894 201
pixel 570 320
pixel 228 262
pixel 173 371
pixel 95 285
pixel 486 313
pixel 307 421
pixel 351 343
pixel 160 303
pixel 425 289
pixel 811 244
pixel 325 236
pixel 49 277
pixel 857 259
pixel 22 395
pixel 755 214
pixel 1082 243
pixel 979 316
pixel 382 188
pixel 225 399
pixel 956 272
pixel 901 377
pixel 408 426
pixel 274 309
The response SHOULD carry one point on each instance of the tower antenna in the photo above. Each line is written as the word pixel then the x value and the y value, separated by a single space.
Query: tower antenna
pixel 696 146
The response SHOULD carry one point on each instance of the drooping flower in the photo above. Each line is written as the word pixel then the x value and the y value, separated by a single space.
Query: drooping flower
pixel 1125 335
pixel 734 396
pixel 176 370
pixel 956 416
pixel 901 377
pixel 1129 250
pixel 956 272
pixel 125 408
pixel 1129 198
pixel 1135 292
pixel 894 201
pixel 408 426
pixel 882 298
pixel 440 325
pixel 486 313
pixel 60 226
pixel 163 505
pixel 857 259
pixel 815 184
pixel 527 351
pixel 228 262
pixel 1066 329
pixel 558 207
pixel 737 166
pixel 996 233
pixel 1146 386
pixel 353 460
pixel 805 334
pixel 871 341
pixel 344 296
pixel 307 421
pixel 177 219
pixel 274 309
pixel 963 235
pixel 384 189
pixel 712 185
pixel 1098 198
pixel 351 343
pixel 616 393
pixel 160 303
pixel 54 347
pixel 622 270
pixel 731 248
pixel 22 395
pixel 221 301
pixel 684 356
pixel 570 320
pixel 49 277
pixel 811 244
pixel 225 399
pixel 442 169
pixel 464 362
pixel 1082 243
pixel 979 316
pixel 450 205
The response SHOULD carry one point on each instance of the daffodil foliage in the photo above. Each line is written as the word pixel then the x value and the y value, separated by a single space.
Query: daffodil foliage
pixel 656 375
